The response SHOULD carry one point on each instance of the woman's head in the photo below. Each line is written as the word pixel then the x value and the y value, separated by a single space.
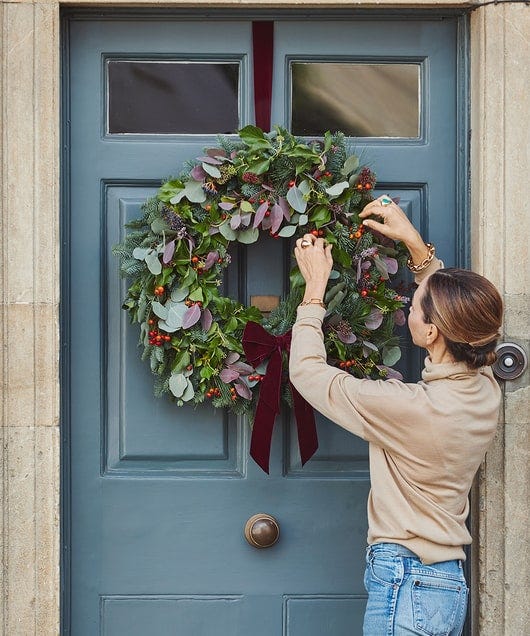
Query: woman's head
pixel 467 310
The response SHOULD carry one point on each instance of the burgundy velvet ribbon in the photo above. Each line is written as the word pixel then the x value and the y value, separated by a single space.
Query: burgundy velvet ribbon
pixel 262 52
pixel 259 345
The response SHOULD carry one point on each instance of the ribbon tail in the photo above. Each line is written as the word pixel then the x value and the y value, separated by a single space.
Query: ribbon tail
pixel 266 411
pixel 260 442
pixel 305 425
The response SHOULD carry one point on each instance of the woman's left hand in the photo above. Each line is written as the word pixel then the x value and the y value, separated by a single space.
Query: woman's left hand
pixel 314 259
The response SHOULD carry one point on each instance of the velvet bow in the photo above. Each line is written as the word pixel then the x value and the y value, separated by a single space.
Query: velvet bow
pixel 259 345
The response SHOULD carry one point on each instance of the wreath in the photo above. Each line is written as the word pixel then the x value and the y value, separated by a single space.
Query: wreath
pixel 175 255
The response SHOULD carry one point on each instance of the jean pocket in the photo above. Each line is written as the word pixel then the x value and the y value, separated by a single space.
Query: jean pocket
pixel 385 570
pixel 438 605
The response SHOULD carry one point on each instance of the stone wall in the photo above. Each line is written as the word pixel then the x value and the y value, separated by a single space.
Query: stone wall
pixel 29 121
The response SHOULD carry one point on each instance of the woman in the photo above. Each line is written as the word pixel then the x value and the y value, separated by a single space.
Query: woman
pixel 426 440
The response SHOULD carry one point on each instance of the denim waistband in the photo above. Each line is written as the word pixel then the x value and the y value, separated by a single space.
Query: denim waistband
pixel 395 549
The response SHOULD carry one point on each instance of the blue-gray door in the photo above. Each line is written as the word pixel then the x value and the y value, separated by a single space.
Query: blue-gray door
pixel 156 497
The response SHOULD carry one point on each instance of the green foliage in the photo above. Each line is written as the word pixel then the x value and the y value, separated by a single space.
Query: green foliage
pixel 176 253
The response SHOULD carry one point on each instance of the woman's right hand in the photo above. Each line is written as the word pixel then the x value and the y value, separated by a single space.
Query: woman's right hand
pixel 395 225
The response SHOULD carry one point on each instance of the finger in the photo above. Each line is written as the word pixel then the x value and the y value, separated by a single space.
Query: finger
pixel 328 249
pixel 374 225
pixel 372 208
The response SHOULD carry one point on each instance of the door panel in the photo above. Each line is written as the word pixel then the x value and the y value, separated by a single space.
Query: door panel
pixel 158 496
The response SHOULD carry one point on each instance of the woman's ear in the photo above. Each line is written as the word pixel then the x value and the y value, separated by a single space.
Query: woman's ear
pixel 432 334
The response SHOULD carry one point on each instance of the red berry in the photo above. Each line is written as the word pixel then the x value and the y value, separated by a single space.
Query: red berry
pixel 150 321
pixel 194 259
pixel 267 213
pixel 364 293
pixel 167 338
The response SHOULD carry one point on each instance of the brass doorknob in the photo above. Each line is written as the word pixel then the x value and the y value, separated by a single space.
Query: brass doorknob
pixel 262 531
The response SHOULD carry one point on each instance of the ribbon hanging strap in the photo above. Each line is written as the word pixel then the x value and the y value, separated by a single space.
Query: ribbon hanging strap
pixel 259 345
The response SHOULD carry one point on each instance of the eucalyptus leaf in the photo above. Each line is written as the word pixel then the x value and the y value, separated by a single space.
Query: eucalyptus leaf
pixel 285 208
pixel 165 327
pixel 140 253
pixel 206 319
pixel 178 383
pixel 169 250
pixel 305 187
pixel 227 231
pixel 296 199
pixel 334 274
pixel 350 165
pixel 368 347
pixel 194 192
pixel 179 293
pixel 178 196
pixel 260 214
pixel 248 236
pixel 287 231
pixel 159 309
pixel 191 316
pixel 337 189
pixel 210 160
pixel 276 217
pixel 153 263
pixel 391 355
pixel 303 219
pixel 235 221
pixel 213 171
pixel 175 315
pixel 189 392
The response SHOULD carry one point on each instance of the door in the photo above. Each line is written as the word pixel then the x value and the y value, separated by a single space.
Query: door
pixel 156 497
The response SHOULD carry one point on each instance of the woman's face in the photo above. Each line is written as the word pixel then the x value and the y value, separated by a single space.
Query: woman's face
pixel 417 325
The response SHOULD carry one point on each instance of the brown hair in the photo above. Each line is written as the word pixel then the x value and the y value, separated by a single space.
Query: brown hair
pixel 467 310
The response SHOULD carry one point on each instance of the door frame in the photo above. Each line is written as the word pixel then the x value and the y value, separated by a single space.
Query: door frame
pixel 462 215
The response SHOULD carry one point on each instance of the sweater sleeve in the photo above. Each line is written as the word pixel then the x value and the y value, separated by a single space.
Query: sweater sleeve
pixel 361 406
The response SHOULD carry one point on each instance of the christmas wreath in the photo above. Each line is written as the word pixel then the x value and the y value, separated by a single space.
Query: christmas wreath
pixel 174 257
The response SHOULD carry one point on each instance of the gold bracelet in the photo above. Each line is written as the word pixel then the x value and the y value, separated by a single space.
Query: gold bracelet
pixel 313 301
pixel 416 269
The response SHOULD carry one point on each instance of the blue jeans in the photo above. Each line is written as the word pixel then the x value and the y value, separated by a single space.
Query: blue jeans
pixel 407 597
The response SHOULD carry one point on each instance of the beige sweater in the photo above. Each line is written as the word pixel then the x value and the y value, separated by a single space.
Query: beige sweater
pixel 426 439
